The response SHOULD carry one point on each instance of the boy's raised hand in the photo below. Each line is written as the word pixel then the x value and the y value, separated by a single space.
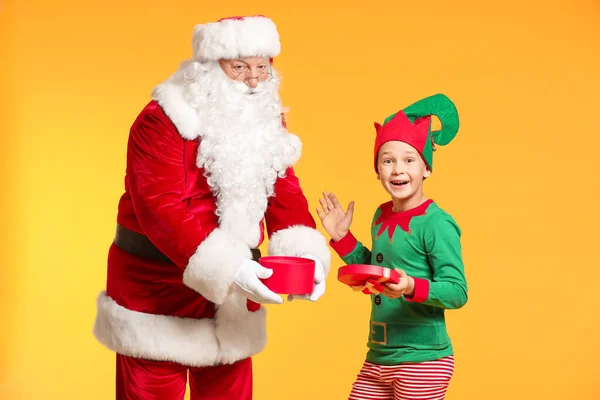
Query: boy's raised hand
pixel 334 219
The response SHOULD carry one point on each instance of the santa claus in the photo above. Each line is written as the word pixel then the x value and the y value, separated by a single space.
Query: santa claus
pixel 209 164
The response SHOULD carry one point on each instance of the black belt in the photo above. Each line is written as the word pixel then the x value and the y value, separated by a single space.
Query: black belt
pixel 139 245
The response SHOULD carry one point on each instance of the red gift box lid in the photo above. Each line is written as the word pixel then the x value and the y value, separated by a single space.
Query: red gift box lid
pixel 360 274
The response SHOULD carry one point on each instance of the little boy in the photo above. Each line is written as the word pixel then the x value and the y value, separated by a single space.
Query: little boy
pixel 410 354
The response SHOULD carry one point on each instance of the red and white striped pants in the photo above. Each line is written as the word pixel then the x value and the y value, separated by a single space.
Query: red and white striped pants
pixel 412 381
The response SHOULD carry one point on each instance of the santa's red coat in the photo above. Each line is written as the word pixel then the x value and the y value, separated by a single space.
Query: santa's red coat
pixel 184 311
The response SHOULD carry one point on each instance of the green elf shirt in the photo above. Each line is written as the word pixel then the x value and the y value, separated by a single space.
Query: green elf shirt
pixel 425 243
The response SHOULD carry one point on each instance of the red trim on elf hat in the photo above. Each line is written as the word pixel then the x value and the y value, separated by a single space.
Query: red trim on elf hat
pixel 401 129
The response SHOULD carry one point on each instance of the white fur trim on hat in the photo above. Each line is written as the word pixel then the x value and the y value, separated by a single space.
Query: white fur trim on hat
pixel 212 268
pixel 233 38
pixel 234 334
pixel 299 240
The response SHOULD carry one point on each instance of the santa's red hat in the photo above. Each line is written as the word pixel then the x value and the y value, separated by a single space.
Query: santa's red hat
pixel 236 37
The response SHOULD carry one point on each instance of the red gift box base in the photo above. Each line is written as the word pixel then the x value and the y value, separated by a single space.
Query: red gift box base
pixel 291 275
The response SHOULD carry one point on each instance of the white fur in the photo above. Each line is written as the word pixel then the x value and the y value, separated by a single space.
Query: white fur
pixel 299 240
pixel 244 147
pixel 212 268
pixel 170 96
pixel 234 333
pixel 239 330
pixel 229 39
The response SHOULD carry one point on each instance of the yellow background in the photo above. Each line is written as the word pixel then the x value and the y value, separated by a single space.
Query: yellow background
pixel 521 178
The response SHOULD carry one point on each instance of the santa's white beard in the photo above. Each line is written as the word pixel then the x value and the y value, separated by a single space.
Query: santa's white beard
pixel 243 147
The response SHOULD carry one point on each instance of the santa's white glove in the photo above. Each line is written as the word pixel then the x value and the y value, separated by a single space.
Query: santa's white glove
pixel 247 283
pixel 319 282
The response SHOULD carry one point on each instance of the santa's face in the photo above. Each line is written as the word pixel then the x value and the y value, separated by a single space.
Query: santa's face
pixel 249 71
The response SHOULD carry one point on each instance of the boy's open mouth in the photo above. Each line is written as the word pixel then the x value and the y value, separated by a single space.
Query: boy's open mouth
pixel 399 183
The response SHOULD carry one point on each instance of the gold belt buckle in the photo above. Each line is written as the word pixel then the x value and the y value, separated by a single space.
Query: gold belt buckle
pixel 384 326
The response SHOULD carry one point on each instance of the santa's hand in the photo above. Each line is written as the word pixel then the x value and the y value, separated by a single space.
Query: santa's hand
pixel 248 284
pixel 319 289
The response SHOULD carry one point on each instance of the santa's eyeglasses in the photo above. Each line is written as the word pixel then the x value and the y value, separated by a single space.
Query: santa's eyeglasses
pixel 245 76
pixel 264 73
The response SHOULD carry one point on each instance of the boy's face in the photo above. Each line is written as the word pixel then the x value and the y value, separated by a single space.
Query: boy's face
pixel 401 171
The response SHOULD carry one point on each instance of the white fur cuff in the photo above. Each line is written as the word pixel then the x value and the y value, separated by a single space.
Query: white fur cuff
pixel 298 240
pixel 212 268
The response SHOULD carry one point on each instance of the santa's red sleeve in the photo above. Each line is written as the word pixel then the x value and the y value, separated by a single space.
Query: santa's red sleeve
pixel 290 226
pixel 156 179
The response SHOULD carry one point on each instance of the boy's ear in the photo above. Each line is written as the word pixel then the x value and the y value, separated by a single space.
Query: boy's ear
pixel 378 178
pixel 427 173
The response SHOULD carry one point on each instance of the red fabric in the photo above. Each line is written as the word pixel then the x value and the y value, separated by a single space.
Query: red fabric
pixel 377 287
pixel 168 199
pixel 166 196
pixel 252 306
pixel 411 381
pixel 152 287
pixel 345 245
pixel 139 379
pixel 400 128
pixel 283 121
pixel 288 206
pixel 421 292
pixel 391 219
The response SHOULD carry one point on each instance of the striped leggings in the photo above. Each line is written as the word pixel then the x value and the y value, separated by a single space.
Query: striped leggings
pixel 419 381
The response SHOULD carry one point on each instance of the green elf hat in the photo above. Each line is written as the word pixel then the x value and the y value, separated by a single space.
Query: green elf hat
pixel 413 126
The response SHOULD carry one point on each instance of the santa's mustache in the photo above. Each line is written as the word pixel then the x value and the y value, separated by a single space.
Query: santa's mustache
pixel 242 87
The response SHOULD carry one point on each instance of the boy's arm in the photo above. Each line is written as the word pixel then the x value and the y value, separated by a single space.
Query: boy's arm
pixel 448 287
pixel 351 250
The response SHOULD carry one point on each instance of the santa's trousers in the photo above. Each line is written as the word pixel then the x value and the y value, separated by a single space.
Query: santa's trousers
pixel 139 379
